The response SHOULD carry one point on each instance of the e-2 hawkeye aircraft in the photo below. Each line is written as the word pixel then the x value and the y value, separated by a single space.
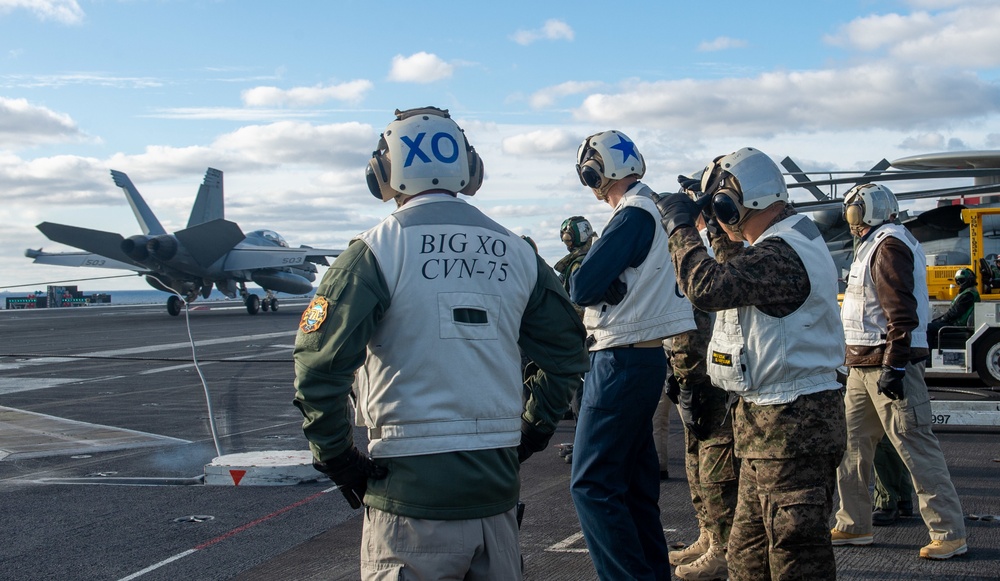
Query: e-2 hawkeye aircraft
pixel 209 251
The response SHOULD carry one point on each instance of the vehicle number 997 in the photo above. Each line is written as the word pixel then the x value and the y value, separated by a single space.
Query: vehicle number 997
pixel 940 418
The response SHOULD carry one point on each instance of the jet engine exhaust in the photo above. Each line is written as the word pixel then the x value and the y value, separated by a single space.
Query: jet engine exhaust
pixel 135 247
pixel 162 247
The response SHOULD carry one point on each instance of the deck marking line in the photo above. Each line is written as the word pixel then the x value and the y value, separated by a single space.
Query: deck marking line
pixel 225 536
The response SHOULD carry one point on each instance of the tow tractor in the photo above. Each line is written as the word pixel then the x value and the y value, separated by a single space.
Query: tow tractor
pixel 974 349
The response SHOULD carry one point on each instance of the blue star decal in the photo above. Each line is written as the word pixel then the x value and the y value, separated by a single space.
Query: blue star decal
pixel 626 147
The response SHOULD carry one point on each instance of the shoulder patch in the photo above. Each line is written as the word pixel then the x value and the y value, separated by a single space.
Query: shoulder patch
pixel 314 315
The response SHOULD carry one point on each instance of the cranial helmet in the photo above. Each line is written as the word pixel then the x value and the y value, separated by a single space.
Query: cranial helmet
pixel 964 276
pixel 869 205
pixel 575 231
pixel 606 157
pixel 423 149
pixel 741 182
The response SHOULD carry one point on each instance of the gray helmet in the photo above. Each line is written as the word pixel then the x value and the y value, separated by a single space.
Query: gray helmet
pixel 743 181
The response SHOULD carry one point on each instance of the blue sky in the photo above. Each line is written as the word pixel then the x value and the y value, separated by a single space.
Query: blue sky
pixel 288 100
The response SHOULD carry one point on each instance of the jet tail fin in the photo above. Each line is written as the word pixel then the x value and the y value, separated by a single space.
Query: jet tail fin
pixel 147 220
pixel 208 242
pixel 210 203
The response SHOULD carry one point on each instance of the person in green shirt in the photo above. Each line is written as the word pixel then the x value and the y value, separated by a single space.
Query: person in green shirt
pixel 960 310
pixel 429 309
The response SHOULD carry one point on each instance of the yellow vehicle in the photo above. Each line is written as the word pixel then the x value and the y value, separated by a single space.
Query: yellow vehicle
pixel 973 349
pixel 941 279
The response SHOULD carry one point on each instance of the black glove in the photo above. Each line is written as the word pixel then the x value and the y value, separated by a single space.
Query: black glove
pixel 673 388
pixel 689 184
pixel 351 470
pixel 691 410
pixel 616 292
pixel 712 224
pixel 677 210
pixel 531 441
pixel 890 383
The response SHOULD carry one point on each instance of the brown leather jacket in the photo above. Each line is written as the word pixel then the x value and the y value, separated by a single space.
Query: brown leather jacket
pixel 892 269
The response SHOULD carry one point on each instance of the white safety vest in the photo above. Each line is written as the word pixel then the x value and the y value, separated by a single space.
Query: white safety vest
pixel 768 360
pixel 443 371
pixel 653 307
pixel 862 315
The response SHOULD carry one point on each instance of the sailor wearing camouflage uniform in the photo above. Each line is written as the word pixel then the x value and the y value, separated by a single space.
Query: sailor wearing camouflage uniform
pixel 432 305
pixel 578 235
pixel 615 478
pixel 776 344
pixel 710 463
pixel 885 316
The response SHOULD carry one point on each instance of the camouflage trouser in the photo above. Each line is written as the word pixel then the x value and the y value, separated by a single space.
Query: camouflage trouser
pixel 782 524
pixel 713 471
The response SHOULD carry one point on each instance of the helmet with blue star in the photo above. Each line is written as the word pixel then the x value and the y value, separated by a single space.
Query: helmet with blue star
pixel 606 157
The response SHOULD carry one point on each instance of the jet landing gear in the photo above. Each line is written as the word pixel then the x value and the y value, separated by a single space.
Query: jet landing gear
pixel 174 305
pixel 255 304
pixel 269 302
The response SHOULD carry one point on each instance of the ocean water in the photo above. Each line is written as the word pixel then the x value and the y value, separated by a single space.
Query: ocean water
pixel 149 297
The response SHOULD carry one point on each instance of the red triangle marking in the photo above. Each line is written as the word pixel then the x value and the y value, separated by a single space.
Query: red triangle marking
pixel 237 476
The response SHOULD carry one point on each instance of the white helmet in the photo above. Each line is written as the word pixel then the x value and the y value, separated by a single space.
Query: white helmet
pixel 423 149
pixel 869 205
pixel 606 157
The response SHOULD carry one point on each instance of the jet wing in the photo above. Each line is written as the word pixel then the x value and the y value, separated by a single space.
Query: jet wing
pixel 106 244
pixel 319 255
pixel 254 257
pixel 87 259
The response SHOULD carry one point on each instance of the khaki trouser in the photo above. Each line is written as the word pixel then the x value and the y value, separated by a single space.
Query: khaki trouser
pixel 400 548
pixel 907 423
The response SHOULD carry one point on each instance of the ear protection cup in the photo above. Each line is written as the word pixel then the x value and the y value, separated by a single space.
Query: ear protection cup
pixel 726 208
pixel 591 174
pixel 854 213
pixel 377 176
pixel 476 172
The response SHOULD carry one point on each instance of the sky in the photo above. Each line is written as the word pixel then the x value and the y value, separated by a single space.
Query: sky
pixel 288 100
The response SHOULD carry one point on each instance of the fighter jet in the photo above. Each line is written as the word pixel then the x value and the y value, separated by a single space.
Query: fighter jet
pixel 209 251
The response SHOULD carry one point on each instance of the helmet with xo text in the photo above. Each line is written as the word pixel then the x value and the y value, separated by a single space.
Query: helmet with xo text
pixel 575 231
pixel 869 205
pixel 606 157
pixel 739 184
pixel 423 150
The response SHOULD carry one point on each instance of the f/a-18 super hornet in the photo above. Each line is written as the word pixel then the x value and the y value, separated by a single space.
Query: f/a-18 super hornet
pixel 209 251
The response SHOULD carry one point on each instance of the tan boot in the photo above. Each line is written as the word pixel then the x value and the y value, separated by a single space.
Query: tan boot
pixel 690 553
pixel 710 566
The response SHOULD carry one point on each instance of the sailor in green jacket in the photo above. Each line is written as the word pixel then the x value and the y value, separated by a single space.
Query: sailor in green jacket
pixel 429 307
pixel 960 310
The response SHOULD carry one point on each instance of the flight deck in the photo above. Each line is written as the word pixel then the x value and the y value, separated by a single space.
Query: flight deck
pixel 105 437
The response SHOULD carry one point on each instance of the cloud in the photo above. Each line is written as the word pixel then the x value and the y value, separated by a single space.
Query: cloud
pixel 83 78
pixel 544 142
pixel 876 96
pixel 351 92
pixel 933 142
pixel 964 37
pixel 23 125
pixel 421 67
pixel 335 145
pixel 64 11
pixel 549 95
pixel 552 30
pixel 721 43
